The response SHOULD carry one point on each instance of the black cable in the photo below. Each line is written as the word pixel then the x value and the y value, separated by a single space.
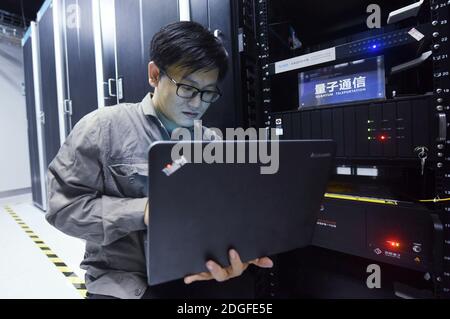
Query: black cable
pixel 23 15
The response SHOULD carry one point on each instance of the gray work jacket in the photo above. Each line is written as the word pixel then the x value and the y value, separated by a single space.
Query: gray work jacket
pixel 98 191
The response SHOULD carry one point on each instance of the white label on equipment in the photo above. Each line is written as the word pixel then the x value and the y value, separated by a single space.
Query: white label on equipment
pixel 278 131
pixel 343 170
pixel 367 171
pixel 416 34
pixel 241 42
pixel 306 60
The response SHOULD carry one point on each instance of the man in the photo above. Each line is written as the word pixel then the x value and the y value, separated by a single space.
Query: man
pixel 97 182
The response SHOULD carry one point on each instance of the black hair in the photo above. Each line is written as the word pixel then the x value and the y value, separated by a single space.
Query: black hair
pixel 188 45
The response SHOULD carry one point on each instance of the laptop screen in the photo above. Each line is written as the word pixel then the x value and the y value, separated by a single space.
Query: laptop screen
pixel 342 83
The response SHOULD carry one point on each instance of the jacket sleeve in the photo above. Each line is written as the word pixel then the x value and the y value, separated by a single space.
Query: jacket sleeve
pixel 76 203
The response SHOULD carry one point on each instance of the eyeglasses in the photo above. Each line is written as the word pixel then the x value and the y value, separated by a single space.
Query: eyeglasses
pixel 189 92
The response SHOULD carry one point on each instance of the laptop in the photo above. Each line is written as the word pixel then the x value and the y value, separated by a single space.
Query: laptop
pixel 199 208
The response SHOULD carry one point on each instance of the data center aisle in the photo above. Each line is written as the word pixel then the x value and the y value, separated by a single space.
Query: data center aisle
pixel 37 260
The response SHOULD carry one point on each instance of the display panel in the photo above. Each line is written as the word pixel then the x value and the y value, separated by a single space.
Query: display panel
pixel 343 83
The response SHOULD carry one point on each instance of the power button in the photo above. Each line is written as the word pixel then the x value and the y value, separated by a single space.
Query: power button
pixel 417 248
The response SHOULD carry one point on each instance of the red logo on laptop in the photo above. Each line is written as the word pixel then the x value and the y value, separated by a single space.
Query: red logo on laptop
pixel 176 165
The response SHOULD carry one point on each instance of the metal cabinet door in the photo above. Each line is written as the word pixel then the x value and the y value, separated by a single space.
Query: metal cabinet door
pixel 31 122
pixel 49 99
pixel 104 25
pixel 218 16
pixel 79 58
pixel 137 21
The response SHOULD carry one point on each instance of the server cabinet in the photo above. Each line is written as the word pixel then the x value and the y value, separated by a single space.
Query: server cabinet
pixel 394 149
pixel 35 151
pixel 31 115
pixel 75 61
pixel 141 19
pixel 124 31
pixel 219 17
pixel 103 18
pixel 440 14
pixel 49 98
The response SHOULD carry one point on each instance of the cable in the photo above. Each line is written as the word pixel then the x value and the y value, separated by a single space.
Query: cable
pixel 23 15
pixel 434 200
pixel 362 199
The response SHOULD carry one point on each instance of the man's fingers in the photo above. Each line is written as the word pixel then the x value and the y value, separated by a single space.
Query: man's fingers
pixel 237 267
pixel 220 274
pixel 264 262
pixel 217 272
pixel 198 277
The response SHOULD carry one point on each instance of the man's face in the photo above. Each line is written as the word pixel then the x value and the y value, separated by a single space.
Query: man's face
pixel 181 111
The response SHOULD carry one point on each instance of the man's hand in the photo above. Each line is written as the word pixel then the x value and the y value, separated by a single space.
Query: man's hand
pixel 222 274
pixel 146 214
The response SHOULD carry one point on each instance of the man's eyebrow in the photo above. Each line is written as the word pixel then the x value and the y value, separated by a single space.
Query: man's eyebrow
pixel 188 78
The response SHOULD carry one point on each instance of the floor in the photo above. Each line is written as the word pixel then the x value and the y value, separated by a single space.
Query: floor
pixel 37 260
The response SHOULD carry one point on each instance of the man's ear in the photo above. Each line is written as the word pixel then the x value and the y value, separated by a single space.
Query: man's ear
pixel 153 74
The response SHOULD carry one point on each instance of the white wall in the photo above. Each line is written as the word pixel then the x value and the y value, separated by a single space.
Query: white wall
pixel 14 157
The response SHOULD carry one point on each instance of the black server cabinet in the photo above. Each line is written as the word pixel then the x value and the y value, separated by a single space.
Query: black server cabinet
pixel 49 97
pixel 440 15
pixel 141 19
pixel 391 135
pixel 219 17
pixel 127 27
pixel 36 186
pixel 105 59
pixel 76 32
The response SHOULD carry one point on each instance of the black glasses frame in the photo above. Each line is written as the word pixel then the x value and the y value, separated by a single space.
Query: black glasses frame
pixel 195 92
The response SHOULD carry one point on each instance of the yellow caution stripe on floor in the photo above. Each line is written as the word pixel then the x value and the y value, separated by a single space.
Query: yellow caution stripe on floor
pixel 362 199
pixel 76 281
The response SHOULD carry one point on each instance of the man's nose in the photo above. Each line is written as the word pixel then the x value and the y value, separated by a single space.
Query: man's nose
pixel 195 102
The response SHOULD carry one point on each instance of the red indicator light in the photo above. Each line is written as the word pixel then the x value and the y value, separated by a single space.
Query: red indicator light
pixel 393 244
pixel 168 166
pixel 383 137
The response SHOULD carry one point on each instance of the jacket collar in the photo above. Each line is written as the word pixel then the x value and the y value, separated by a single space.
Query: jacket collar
pixel 147 105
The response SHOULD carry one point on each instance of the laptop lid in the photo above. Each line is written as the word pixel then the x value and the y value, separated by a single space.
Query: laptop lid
pixel 198 211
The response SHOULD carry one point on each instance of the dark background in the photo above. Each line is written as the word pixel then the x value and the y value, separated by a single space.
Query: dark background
pixel 30 7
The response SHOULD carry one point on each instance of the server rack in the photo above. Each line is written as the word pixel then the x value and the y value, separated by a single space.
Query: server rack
pixel 441 73
pixel 254 62
pixel 34 126
pixel 221 18
pixel 384 141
